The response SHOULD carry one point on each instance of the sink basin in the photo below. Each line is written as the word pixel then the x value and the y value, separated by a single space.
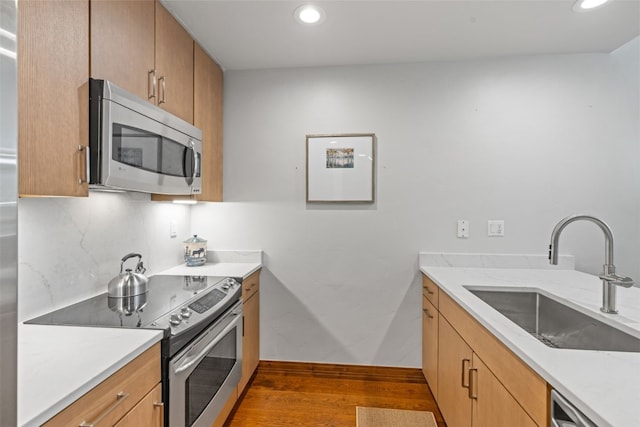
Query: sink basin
pixel 555 323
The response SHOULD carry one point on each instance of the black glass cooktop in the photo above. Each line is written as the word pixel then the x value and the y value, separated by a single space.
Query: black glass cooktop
pixel 165 294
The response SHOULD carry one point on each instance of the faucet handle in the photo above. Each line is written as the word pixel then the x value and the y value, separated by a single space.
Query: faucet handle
pixel 614 279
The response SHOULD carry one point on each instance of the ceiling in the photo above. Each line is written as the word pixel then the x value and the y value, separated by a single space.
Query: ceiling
pixel 264 34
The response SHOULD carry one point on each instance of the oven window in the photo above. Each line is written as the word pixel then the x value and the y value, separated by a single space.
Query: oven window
pixel 151 152
pixel 207 378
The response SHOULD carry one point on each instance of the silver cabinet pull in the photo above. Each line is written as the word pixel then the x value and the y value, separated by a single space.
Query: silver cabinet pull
pixel 429 315
pixel 151 84
pixel 465 369
pixel 473 383
pixel 82 148
pixel 158 404
pixel 163 93
pixel 120 397
pixel 429 291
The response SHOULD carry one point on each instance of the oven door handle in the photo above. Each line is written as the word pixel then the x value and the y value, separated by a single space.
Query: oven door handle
pixel 189 361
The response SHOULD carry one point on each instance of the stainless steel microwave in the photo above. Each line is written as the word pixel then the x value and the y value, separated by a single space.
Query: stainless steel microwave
pixel 136 146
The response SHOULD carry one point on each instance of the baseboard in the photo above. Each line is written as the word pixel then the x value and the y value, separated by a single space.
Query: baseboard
pixel 354 372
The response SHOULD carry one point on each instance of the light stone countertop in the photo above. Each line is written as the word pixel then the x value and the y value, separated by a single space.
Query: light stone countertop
pixel 59 364
pixel 604 385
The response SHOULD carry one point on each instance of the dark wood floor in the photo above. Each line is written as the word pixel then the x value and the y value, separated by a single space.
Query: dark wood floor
pixel 304 394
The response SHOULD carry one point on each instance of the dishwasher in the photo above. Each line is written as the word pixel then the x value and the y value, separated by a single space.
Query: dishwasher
pixel 564 414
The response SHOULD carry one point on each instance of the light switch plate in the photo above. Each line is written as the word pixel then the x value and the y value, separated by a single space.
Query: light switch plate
pixel 495 228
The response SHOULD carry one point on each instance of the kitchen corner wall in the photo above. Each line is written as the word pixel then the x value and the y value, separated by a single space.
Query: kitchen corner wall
pixel 70 248
pixel 527 140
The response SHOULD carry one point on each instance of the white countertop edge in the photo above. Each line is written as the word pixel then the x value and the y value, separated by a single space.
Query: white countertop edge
pixel 223 269
pixel 537 355
pixel 35 416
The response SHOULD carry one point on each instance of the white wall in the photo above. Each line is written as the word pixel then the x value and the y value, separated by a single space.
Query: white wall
pixel 70 248
pixel 527 140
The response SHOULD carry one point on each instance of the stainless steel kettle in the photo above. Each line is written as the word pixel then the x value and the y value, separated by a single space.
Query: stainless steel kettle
pixel 129 283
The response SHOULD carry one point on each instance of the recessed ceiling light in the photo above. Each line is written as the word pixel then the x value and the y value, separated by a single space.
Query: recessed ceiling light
pixel 309 14
pixel 582 5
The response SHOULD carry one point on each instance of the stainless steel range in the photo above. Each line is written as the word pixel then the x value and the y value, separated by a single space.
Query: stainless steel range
pixel 201 317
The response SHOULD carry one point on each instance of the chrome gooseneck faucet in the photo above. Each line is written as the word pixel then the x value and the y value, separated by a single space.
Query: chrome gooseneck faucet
pixel 609 277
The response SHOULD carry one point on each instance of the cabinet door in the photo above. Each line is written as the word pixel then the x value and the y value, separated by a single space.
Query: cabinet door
pixel 123 32
pixel 430 345
pixel 148 412
pixel 250 339
pixel 53 97
pixel 174 65
pixel 493 406
pixel 454 361
pixel 207 116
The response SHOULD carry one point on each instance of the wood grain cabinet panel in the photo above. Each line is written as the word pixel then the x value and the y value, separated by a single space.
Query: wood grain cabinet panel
pixel 113 398
pixel 430 345
pixel 251 330
pixel 430 290
pixel 53 104
pixel 148 412
pixel 454 361
pixel 174 65
pixel 493 406
pixel 123 32
pixel 207 116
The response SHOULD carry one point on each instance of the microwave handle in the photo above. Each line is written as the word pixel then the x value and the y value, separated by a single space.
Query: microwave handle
pixel 196 164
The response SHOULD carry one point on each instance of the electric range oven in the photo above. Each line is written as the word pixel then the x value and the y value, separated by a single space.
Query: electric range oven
pixel 201 320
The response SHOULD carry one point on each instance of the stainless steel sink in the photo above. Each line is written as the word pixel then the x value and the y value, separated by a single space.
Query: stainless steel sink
pixel 556 324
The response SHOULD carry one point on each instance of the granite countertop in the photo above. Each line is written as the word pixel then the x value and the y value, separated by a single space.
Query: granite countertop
pixel 604 385
pixel 59 364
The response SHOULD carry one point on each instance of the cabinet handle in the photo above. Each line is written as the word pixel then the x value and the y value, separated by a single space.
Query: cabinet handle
pixel 151 84
pixel 427 313
pixel 429 291
pixel 158 404
pixel 82 148
pixel 473 383
pixel 163 93
pixel 120 397
pixel 465 379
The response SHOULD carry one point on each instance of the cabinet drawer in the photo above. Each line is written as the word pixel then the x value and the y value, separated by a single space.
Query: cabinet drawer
pixel 250 285
pixel 528 389
pixel 430 290
pixel 114 397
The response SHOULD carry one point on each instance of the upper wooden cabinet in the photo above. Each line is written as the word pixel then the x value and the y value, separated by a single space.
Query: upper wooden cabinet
pixel 174 66
pixel 140 47
pixel 123 44
pixel 207 116
pixel 53 110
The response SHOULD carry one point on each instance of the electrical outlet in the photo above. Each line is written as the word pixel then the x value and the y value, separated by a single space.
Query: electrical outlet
pixel 172 229
pixel 495 228
pixel 463 229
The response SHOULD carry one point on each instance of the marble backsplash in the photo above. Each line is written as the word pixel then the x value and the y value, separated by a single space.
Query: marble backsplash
pixel 70 248
pixel 438 259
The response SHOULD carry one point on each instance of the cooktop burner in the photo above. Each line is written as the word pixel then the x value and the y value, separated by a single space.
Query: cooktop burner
pixel 172 302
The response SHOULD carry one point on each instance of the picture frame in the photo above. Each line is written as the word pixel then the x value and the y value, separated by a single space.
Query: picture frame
pixel 341 168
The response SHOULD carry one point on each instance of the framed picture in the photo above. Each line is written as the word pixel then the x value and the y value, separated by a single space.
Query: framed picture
pixel 340 168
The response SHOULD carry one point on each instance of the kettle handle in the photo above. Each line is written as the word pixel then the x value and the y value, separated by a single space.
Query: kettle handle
pixel 127 256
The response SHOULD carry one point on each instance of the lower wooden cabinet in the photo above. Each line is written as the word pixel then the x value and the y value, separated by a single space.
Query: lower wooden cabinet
pixel 149 412
pixel 478 381
pixel 430 345
pixel 251 328
pixel 131 396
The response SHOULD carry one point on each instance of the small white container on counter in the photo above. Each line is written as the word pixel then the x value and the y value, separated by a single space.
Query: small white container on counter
pixel 195 251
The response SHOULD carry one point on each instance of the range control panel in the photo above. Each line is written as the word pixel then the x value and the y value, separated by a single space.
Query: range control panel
pixel 208 305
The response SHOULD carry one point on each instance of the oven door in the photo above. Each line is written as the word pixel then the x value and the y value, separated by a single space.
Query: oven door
pixel 206 372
